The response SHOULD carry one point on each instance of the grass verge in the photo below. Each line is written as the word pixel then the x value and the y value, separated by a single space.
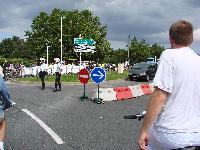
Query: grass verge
pixel 111 75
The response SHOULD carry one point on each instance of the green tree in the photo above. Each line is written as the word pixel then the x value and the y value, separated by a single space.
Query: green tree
pixel 117 56
pixel 140 50
pixel 46 31
pixel 15 48
pixel 156 50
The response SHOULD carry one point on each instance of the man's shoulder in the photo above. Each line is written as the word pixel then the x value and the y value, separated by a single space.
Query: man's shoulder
pixel 167 56
pixel 167 53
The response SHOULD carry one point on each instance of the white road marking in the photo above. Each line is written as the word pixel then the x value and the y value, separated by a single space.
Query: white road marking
pixel 45 127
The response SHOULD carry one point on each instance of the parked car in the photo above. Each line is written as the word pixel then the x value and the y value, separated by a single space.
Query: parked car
pixel 143 71
pixel 150 60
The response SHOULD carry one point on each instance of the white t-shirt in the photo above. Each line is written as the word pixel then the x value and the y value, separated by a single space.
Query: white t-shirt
pixel 43 67
pixel 57 68
pixel 178 74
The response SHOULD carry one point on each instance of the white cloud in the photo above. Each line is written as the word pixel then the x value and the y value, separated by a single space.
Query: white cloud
pixel 197 35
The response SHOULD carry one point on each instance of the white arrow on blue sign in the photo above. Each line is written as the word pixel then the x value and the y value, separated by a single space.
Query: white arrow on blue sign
pixel 98 75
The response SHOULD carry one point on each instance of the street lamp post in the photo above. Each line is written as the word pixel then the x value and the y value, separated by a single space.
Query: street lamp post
pixel 61 47
pixel 48 55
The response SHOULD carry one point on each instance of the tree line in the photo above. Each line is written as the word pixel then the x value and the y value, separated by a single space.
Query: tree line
pixel 46 31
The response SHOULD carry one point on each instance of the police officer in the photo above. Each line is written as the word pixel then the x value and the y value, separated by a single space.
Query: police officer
pixel 43 71
pixel 57 69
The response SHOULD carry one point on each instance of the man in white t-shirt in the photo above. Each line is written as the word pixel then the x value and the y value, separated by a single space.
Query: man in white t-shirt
pixel 173 112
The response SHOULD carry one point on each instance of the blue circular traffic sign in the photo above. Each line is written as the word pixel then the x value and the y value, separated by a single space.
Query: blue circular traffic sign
pixel 98 75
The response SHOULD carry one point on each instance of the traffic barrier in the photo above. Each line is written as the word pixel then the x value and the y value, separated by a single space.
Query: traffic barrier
pixel 107 94
pixel 151 86
pixel 136 90
pixel 123 93
pixel 146 89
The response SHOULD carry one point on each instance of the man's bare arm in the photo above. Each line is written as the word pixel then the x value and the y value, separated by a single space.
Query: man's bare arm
pixel 154 107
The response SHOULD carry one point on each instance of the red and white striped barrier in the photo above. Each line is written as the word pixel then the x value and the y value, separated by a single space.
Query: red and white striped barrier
pixel 146 89
pixel 136 90
pixel 107 94
pixel 122 93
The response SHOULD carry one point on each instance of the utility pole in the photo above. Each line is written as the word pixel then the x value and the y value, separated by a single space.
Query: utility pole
pixel 128 45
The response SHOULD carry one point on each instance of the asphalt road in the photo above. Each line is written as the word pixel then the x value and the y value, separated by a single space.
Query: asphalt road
pixel 81 125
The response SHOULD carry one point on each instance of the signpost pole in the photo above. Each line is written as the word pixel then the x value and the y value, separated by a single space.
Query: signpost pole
pixel 98 92
pixel 84 97
pixel 98 100
pixel 84 91
pixel 80 61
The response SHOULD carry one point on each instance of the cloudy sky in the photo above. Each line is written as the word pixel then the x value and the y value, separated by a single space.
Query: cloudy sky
pixel 145 19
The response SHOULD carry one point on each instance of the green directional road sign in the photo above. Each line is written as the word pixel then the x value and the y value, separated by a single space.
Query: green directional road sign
pixel 84 41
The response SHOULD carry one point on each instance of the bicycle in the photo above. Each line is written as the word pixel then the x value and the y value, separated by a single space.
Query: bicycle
pixel 141 115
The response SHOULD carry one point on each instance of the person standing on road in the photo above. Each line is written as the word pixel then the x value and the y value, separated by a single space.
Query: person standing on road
pixel 42 71
pixel 173 112
pixel 57 67
pixel 5 103
pixel 4 69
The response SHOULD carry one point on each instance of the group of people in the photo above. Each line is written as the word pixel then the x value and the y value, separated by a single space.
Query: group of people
pixel 43 71
pixel 11 70
pixel 172 118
